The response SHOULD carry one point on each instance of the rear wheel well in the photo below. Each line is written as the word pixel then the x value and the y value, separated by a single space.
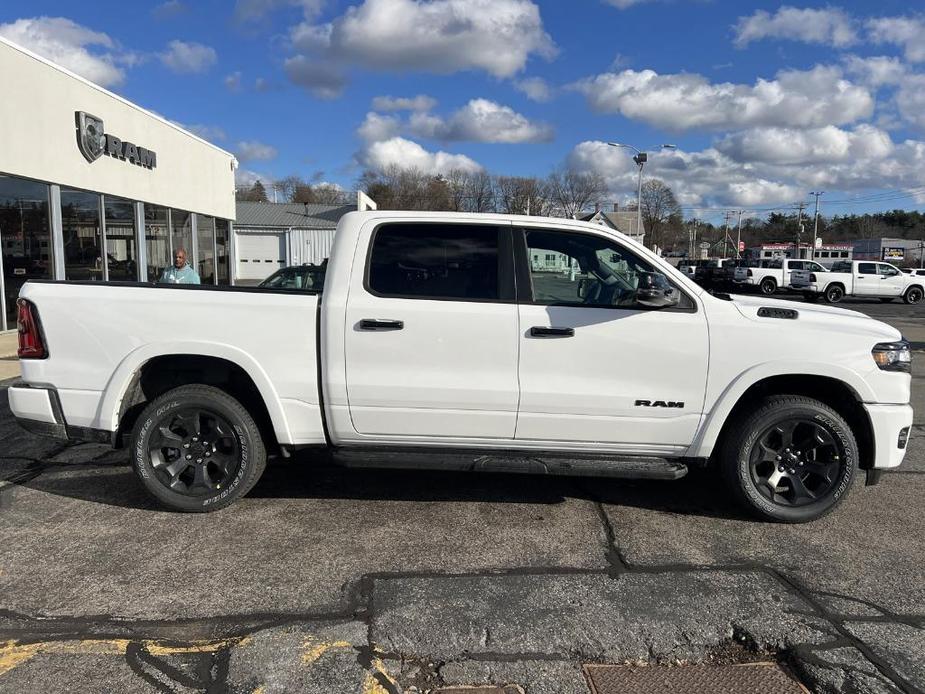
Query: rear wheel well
pixel 160 374
pixel 830 391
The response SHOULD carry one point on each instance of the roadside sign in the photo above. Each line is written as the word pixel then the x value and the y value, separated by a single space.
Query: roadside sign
pixel 741 246
pixel 895 253
pixel 705 246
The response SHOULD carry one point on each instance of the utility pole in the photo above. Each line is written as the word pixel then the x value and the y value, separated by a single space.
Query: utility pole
pixel 739 236
pixel 796 248
pixel 816 222
pixel 727 215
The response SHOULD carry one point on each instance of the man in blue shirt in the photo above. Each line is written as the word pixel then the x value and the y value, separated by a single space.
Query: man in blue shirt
pixel 181 272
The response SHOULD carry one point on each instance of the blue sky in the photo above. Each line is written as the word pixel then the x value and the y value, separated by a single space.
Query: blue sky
pixel 764 102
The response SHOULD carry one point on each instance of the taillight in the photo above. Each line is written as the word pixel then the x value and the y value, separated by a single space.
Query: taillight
pixel 812 277
pixel 31 342
pixel 749 273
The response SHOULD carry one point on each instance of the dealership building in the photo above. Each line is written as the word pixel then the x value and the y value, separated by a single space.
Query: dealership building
pixel 93 187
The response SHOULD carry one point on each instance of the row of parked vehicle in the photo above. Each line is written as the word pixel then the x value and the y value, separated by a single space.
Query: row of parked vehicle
pixel 857 278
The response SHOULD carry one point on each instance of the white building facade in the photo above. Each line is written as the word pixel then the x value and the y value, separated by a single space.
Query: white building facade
pixel 93 187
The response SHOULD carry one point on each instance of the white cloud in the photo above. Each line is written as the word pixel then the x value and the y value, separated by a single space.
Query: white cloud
pixel 233 81
pixel 437 36
pixel 255 10
pixel 902 31
pixel 90 54
pixel 767 168
pixel 206 132
pixel 811 98
pixel 877 71
pixel 323 79
pixel 623 4
pixel 245 178
pixel 169 10
pixel 252 150
pixel 407 154
pixel 480 120
pixel 377 127
pixel 910 100
pixel 813 147
pixel 188 56
pixel 535 88
pixel 830 26
pixel 421 102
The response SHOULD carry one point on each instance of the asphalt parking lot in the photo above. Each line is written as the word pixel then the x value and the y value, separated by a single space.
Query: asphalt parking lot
pixel 332 580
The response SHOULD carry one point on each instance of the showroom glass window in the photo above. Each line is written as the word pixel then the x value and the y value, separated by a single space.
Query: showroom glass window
pixel 221 252
pixel 435 261
pixel 157 241
pixel 181 232
pixel 205 239
pixel 83 235
pixel 25 241
pixel 121 254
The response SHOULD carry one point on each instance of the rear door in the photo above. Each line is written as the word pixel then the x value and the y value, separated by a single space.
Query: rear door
pixel 431 332
pixel 596 368
pixel 867 280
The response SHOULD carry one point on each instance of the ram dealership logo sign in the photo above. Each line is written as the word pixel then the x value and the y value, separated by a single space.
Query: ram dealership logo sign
pixel 94 142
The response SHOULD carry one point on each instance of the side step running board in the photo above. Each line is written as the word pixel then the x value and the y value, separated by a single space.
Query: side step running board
pixel 627 467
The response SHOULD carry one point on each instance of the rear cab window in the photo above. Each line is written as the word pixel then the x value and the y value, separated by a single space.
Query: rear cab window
pixel 461 262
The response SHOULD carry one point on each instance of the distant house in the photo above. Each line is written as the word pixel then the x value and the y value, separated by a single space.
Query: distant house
pixel 270 235
pixel 623 221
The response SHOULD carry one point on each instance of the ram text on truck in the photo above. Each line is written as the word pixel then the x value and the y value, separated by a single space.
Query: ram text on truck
pixel 476 342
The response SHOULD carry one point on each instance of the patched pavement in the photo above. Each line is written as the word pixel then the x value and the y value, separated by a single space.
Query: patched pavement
pixel 331 580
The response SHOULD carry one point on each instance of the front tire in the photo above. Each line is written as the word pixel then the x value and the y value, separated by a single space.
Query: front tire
pixel 195 448
pixel 768 286
pixel 791 460
pixel 913 295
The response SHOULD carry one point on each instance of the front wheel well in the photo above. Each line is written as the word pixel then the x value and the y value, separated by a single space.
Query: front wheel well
pixel 830 391
pixel 160 374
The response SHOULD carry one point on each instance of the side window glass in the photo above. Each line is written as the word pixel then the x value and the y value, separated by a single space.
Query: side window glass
pixel 888 270
pixel 586 270
pixel 867 269
pixel 435 261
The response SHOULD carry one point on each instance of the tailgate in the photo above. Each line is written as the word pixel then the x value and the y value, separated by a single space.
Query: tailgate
pixel 741 273
pixel 800 278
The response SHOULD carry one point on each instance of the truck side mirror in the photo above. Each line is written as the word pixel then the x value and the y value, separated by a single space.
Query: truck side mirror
pixel 582 289
pixel 654 291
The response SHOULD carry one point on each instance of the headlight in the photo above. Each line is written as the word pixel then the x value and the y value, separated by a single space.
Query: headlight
pixel 893 356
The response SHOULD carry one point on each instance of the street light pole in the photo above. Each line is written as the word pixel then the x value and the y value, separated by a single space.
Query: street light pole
pixel 640 158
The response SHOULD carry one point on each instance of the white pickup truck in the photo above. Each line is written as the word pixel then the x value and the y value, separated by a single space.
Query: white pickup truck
pixel 775 274
pixel 862 278
pixel 476 342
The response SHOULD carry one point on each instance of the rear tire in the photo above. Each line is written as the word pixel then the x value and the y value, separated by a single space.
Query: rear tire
pixel 195 448
pixel 768 286
pixel 834 293
pixel 792 459
pixel 913 295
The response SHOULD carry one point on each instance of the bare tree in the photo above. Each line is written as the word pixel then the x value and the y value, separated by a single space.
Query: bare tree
pixel 572 192
pixel 661 213
pixel 457 183
pixel 480 193
pixel 254 193
pixel 329 194
pixel 521 195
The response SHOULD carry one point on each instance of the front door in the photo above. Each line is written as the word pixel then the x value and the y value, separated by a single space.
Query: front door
pixel 431 332
pixel 596 367
pixel 892 280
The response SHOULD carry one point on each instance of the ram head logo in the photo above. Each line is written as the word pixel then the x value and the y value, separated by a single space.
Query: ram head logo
pixel 90 136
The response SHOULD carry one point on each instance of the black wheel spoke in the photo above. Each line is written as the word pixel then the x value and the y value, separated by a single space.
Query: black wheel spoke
pixel 194 451
pixel 799 491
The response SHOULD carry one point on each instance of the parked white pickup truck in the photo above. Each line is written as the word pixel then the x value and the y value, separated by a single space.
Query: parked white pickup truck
pixel 776 274
pixel 862 278
pixel 476 342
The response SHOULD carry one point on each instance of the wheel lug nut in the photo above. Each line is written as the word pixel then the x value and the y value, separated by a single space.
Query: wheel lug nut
pixel 185 445
pixel 198 460
pixel 780 469
pixel 189 457
pixel 195 439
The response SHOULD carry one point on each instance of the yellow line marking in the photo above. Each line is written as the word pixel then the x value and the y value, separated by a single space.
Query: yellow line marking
pixel 13 654
pixel 314 648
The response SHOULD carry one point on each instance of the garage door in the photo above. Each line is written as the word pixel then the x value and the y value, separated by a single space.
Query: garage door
pixel 259 255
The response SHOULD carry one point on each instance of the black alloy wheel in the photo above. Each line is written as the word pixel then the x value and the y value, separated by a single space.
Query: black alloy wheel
pixel 194 452
pixel 196 448
pixel 789 459
pixel 834 294
pixel 768 286
pixel 913 295
pixel 795 462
